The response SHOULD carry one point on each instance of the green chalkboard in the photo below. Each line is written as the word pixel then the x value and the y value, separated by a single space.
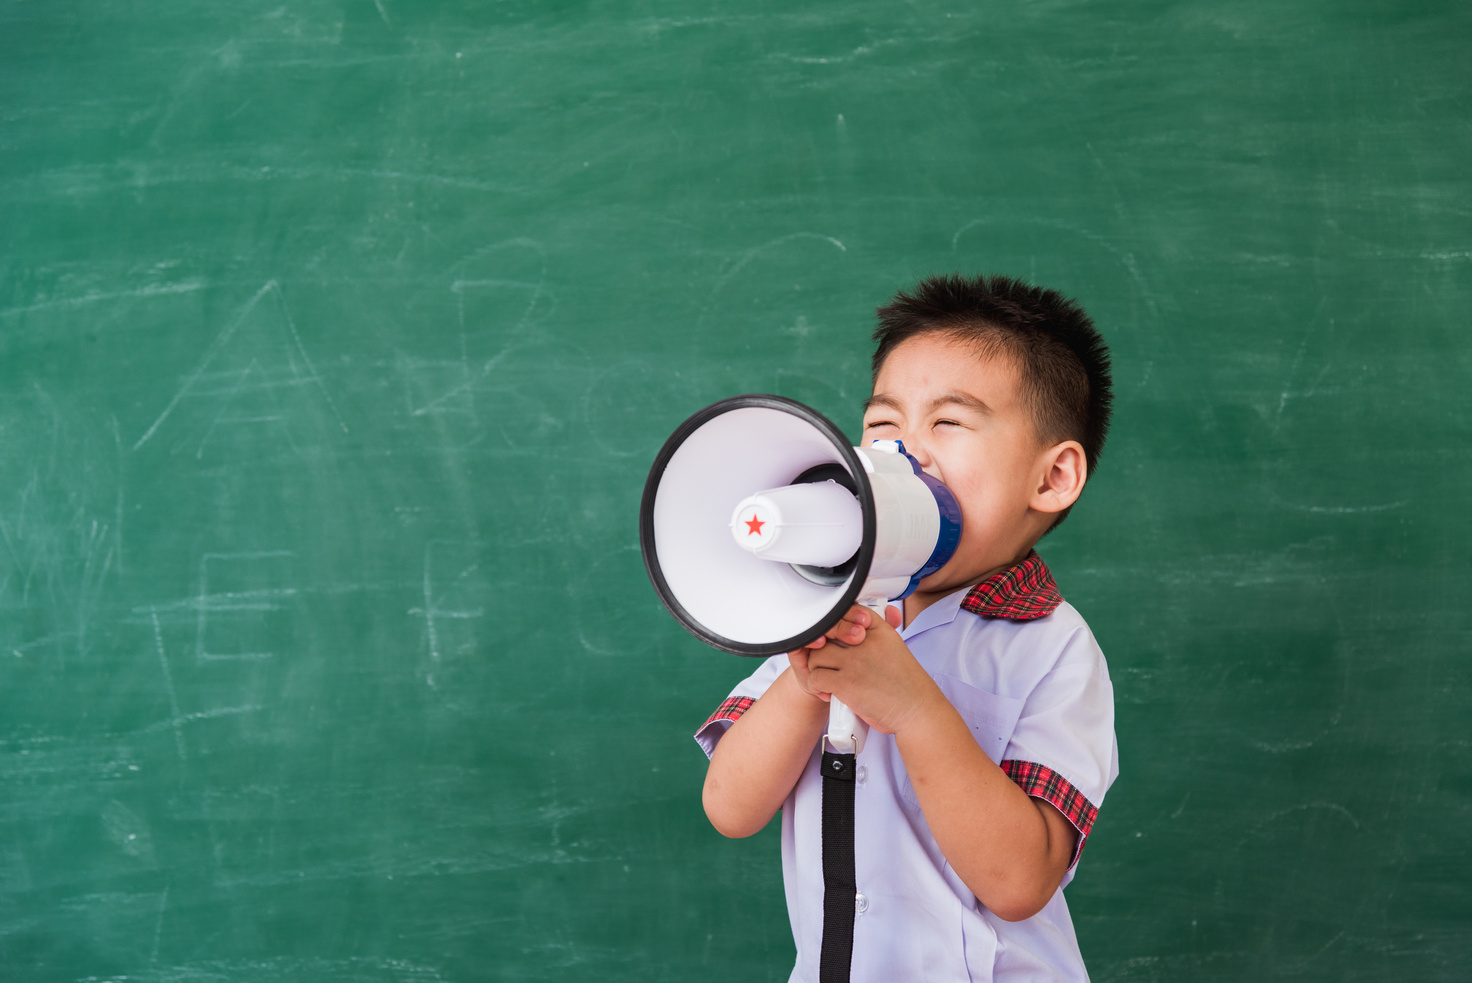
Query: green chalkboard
pixel 337 336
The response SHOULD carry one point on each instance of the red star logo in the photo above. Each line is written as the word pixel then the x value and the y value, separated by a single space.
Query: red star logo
pixel 754 525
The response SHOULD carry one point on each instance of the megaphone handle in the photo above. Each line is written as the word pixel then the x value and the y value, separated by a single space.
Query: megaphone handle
pixel 846 732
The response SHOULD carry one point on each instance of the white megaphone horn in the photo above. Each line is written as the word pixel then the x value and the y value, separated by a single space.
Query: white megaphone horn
pixel 761 525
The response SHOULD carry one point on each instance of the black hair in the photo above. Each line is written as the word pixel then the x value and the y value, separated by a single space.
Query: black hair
pixel 1063 361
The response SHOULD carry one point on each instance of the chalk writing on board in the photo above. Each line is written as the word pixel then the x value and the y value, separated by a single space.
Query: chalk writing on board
pixel 293 366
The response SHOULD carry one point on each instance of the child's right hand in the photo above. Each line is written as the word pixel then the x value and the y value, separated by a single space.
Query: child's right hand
pixel 852 629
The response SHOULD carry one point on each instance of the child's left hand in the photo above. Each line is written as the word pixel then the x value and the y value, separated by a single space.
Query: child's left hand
pixel 864 662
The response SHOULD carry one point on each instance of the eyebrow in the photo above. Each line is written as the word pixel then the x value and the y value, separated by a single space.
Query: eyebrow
pixel 887 401
pixel 951 398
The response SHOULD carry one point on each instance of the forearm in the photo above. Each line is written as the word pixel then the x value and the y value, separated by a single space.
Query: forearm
pixel 1003 844
pixel 761 757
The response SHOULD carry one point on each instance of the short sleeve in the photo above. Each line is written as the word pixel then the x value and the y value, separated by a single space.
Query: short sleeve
pixel 1063 748
pixel 747 692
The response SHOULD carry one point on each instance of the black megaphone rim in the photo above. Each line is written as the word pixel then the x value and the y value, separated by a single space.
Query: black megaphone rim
pixel 650 554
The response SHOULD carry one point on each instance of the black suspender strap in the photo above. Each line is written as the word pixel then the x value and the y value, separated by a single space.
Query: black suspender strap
pixel 839 883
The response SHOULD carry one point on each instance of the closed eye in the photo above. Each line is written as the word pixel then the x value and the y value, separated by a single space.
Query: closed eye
pixel 877 423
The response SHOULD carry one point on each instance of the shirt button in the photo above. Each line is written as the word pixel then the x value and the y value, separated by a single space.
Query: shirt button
pixel 861 903
pixel 861 776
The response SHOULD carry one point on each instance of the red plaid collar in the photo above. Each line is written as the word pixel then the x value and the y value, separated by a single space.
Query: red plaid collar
pixel 1023 592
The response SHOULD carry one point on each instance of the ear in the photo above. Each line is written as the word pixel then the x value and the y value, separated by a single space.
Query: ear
pixel 1061 475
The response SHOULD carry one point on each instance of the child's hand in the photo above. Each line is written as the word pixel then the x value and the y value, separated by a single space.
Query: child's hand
pixel 868 666
pixel 851 630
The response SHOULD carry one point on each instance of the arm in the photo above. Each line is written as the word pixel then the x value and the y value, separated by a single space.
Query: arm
pixel 762 755
pixel 1011 850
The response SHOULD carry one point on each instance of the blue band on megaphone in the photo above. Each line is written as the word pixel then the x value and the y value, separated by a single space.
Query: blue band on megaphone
pixel 950 524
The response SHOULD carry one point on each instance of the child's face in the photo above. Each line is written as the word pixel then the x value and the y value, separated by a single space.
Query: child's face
pixel 962 416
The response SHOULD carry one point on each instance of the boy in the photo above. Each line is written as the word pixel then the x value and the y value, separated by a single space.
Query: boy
pixel 991 709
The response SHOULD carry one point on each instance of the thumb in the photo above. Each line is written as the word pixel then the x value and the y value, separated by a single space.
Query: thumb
pixel 894 617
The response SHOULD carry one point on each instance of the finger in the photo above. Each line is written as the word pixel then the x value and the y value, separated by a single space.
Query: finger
pixel 823 681
pixel 893 617
pixel 856 615
pixel 831 658
pixel 849 631
pixel 800 672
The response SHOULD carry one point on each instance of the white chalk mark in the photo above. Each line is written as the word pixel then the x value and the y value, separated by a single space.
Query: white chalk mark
pixel 859 52
pixel 435 405
pixel 1288 392
pixel 459 286
pixel 465 363
pixel 956 239
pixel 224 405
pixel 220 341
pixel 117 531
pixel 239 600
pixel 301 349
pixel 350 173
pixel 468 379
pixel 263 384
pixel 1304 807
pixel 752 254
pixel 24 647
pixel 201 609
pixel 156 290
pixel 91 579
pixel 382 13
pixel 204 603
pixel 1350 509
pixel 430 612
pixel 175 720
pixel 245 600
pixel 312 377
pixel 1127 260
pixel 158 926
pixel 1283 747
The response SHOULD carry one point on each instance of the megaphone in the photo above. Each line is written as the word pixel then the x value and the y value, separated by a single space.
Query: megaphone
pixel 761 525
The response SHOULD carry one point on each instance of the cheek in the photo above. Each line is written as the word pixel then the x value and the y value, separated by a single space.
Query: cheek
pixel 988 502
pixel 976 495
pixel 981 515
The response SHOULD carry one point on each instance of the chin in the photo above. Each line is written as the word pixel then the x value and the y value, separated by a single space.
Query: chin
pixel 943 581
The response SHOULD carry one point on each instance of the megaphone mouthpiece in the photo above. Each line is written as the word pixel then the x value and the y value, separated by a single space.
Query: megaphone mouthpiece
pixel 813 524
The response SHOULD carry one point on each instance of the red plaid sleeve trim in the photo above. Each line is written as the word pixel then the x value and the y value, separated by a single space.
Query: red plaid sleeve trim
pixel 1042 782
pixel 1023 592
pixel 731 709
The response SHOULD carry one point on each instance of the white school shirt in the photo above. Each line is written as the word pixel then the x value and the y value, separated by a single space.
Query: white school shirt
pixel 1030 680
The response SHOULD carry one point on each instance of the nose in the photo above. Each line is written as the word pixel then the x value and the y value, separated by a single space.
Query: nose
pixel 919 449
